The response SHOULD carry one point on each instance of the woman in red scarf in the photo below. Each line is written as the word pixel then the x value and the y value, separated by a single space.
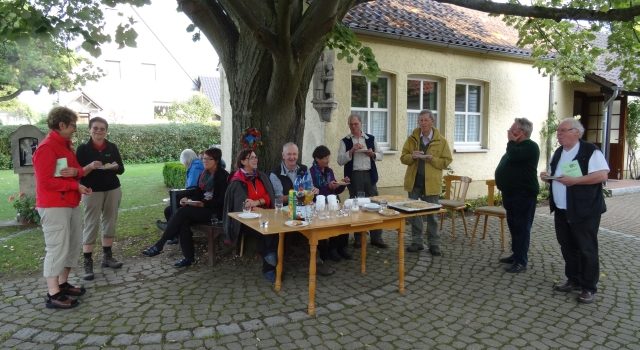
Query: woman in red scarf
pixel 251 187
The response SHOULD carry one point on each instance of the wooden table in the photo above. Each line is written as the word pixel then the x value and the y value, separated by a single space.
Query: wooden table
pixel 323 229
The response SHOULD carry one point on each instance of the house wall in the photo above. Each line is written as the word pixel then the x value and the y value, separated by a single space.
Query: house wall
pixel 512 89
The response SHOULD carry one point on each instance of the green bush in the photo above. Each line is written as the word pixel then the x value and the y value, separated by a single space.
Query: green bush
pixel 137 143
pixel 174 174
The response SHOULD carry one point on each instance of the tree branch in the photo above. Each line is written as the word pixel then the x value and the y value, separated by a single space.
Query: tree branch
pixel 317 22
pixel 216 25
pixel 554 13
pixel 245 12
pixel 11 96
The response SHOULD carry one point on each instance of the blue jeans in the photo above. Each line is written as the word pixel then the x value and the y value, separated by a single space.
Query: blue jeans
pixel 417 225
pixel 521 208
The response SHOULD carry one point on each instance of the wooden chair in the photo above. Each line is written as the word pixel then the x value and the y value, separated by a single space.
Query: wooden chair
pixel 490 210
pixel 455 194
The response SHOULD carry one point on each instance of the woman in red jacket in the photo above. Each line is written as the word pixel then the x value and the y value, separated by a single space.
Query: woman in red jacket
pixel 58 192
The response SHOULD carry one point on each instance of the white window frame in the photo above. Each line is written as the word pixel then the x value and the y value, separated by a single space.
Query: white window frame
pixel 436 112
pixel 470 145
pixel 367 122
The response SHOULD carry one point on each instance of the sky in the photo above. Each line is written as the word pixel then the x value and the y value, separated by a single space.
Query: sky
pixel 198 58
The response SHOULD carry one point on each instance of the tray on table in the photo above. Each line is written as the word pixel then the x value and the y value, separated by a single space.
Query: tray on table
pixel 414 206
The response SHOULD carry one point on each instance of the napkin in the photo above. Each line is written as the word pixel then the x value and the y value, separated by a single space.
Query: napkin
pixel 361 201
pixel 332 200
pixel 320 202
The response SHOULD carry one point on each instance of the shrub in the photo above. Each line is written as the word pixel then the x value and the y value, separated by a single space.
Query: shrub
pixel 174 174
pixel 137 143
pixel 26 207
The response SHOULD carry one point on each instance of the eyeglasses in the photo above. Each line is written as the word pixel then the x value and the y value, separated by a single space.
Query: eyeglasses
pixel 252 158
pixel 565 130
pixel 95 128
pixel 207 158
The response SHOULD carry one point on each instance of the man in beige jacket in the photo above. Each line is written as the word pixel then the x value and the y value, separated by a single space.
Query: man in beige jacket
pixel 426 153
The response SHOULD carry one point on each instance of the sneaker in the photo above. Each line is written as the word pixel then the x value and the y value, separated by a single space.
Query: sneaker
pixel 435 250
pixel 109 261
pixel 60 301
pixel 183 263
pixel 507 260
pixel 88 269
pixel 271 259
pixel 586 297
pixel 415 247
pixel 161 225
pixel 73 291
pixel 270 276
pixel 151 251
pixel 324 270
pixel 516 268
pixel 566 287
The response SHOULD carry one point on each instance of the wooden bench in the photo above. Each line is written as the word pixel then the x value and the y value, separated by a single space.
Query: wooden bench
pixel 213 233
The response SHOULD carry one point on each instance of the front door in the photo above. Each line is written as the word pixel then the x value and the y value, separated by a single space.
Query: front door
pixel 592 112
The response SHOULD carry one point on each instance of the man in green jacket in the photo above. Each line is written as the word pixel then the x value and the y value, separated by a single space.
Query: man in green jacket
pixel 426 153
pixel 516 177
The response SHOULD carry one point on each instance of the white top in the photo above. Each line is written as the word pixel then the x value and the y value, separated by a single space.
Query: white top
pixel 360 159
pixel 596 163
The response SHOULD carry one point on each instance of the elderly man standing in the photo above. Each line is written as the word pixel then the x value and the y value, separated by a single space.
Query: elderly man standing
pixel 358 154
pixel 426 153
pixel 578 170
pixel 516 178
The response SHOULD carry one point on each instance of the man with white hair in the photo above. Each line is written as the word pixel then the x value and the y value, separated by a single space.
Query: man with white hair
pixel 577 171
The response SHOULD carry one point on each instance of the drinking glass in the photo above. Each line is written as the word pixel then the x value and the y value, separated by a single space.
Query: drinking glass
pixel 360 194
pixel 346 208
pixel 263 220
pixel 246 208
pixel 278 204
pixel 383 204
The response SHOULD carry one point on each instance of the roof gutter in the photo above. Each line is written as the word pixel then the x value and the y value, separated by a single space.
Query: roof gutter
pixel 607 121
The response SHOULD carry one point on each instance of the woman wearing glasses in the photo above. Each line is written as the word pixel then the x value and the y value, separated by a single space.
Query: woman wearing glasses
pixel 202 207
pixel 250 188
pixel 102 165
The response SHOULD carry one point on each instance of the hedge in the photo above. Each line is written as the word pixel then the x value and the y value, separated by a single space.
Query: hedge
pixel 174 174
pixel 137 143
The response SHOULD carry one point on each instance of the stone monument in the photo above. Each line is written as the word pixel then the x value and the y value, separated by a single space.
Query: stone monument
pixel 24 142
pixel 323 94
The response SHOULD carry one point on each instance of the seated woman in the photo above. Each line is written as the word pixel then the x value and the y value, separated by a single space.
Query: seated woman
pixel 250 187
pixel 194 167
pixel 324 179
pixel 201 208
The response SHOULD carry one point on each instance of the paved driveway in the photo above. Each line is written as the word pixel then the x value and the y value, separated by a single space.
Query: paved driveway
pixel 460 300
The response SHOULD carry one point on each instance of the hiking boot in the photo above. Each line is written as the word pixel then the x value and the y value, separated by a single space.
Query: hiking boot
pixel 109 261
pixel 60 301
pixel 88 269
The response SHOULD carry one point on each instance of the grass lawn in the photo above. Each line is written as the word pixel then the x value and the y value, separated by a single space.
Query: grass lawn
pixel 22 247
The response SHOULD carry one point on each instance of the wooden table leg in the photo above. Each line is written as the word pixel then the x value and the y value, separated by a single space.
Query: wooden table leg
pixel 313 249
pixel 280 262
pixel 363 253
pixel 401 256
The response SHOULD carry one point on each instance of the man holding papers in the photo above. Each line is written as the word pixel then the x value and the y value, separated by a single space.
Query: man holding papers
pixel 577 171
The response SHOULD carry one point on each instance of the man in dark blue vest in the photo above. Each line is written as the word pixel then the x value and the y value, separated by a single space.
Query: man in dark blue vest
pixel 358 154
pixel 578 170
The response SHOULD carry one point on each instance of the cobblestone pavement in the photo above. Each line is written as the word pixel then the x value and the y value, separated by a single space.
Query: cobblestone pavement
pixel 461 300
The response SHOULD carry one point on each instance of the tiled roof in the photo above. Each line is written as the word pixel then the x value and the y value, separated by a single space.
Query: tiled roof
pixel 601 72
pixel 433 22
pixel 210 86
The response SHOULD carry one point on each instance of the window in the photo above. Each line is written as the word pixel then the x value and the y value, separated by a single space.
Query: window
pixel 468 128
pixel 371 102
pixel 421 94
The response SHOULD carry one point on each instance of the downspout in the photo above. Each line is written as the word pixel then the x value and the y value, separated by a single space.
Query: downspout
pixel 548 142
pixel 607 123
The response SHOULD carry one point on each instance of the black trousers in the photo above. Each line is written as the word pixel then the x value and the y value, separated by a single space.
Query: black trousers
pixel 579 246
pixel 179 225
pixel 521 208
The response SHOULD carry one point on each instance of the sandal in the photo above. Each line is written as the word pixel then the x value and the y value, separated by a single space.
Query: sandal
pixel 151 251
